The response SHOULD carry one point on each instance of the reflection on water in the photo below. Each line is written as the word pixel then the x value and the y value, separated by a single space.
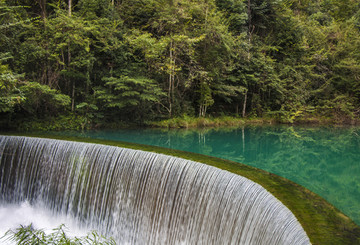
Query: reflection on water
pixel 324 160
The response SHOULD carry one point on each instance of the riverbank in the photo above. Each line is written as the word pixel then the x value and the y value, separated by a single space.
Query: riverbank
pixel 225 121
pixel 323 223
pixel 72 121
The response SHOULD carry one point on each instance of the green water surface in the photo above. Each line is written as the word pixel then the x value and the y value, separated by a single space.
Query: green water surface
pixel 325 160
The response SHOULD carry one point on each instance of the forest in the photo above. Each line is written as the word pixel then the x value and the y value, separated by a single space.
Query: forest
pixel 99 63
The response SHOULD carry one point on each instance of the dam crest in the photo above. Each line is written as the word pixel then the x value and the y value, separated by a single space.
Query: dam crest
pixel 141 197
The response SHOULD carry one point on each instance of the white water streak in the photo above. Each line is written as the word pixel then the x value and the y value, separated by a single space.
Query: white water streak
pixel 143 198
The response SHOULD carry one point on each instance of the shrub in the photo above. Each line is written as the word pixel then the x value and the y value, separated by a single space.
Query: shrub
pixel 29 235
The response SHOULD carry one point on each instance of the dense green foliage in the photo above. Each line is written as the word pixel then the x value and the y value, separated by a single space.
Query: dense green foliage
pixel 29 235
pixel 112 61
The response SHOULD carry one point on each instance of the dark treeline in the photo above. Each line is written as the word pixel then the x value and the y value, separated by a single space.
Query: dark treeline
pixel 96 62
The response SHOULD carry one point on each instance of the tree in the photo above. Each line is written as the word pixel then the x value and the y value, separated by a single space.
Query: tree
pixel 41 100
pixel 10 94
pixel 135 94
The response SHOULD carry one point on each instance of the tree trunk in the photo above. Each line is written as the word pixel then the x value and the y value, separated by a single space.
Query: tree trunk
pixel 42 4
pixel 171 78
pixel 170 82
pixel 73 97
pixel 244 105
pixel 69 61
pixel 45 75
pixel 70 7
pixel 250 28
pixel 201 110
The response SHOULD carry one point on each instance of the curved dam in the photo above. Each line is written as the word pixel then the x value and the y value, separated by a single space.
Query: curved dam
pixel 140 197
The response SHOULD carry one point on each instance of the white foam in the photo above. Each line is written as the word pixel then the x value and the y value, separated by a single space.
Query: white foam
pixel 12 216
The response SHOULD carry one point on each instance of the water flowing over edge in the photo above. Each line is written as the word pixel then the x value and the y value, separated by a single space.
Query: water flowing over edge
pixel 141 197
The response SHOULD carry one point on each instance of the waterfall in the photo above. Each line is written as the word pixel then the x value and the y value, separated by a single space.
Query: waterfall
pixel 141 197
